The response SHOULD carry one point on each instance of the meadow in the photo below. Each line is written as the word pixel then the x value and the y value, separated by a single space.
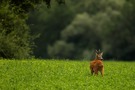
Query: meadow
pixel 64 75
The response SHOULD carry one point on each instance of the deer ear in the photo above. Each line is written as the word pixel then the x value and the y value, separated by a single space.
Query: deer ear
pixel 101 53
pixel 96 51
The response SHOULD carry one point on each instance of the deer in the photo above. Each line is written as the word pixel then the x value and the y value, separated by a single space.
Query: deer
pixel 97 65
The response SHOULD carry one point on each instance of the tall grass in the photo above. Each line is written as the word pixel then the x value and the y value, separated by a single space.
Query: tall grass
pixel 64 75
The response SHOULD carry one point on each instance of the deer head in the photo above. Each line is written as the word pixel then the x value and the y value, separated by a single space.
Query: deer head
pixel 99 55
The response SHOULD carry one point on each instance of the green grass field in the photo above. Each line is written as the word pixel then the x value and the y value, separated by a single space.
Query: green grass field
pixel 64 75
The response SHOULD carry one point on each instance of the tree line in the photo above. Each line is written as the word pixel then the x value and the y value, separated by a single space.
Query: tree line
pixel 72 30
pixel 16 41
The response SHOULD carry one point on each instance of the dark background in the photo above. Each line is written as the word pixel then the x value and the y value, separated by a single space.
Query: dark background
pixel 70 29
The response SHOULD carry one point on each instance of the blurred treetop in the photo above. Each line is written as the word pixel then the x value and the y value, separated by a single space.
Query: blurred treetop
pixel 27 5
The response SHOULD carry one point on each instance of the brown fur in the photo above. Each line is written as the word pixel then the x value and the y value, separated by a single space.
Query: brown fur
pixel 97 64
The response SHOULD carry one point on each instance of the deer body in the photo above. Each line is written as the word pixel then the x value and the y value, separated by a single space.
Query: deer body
pixel 97 65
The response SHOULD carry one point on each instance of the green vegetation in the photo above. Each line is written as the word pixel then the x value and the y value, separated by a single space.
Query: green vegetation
pixel 80 27
pixel 16 41
pixel 68 29
pixel 64 75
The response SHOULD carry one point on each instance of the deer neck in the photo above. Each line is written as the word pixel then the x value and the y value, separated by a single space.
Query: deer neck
pixel 96 58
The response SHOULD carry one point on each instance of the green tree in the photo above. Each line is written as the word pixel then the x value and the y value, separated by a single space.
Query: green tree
pixel 81 34
pixel 61 49
pixel 88 30
pixel 15 41
pixel 83 26
pixel 120 38
pixel 24 6
pixel 15 38
pixel 48 23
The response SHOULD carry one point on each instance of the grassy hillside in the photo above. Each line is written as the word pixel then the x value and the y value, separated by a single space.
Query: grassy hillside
pixel 64 75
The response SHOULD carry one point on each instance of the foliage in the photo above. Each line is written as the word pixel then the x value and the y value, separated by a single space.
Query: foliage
pixel 15 41
pixel 67 75
pixel 89 30
pixel 120 38
pixel 73 30
pixel 61 50
pixel 48 23
pixel 78 33
pixel 87 25
pixel 24 6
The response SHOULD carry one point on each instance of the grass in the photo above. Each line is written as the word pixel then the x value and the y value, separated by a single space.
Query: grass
pixel 64 75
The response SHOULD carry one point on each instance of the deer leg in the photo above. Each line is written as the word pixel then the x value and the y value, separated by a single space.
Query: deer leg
pixel 91 70
pixel 102 72
pixel 96 71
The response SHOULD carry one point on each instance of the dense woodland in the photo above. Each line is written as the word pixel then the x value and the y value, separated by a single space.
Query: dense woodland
pixel 70 29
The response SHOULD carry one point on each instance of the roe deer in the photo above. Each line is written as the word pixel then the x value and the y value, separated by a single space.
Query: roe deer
pixel 97 64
